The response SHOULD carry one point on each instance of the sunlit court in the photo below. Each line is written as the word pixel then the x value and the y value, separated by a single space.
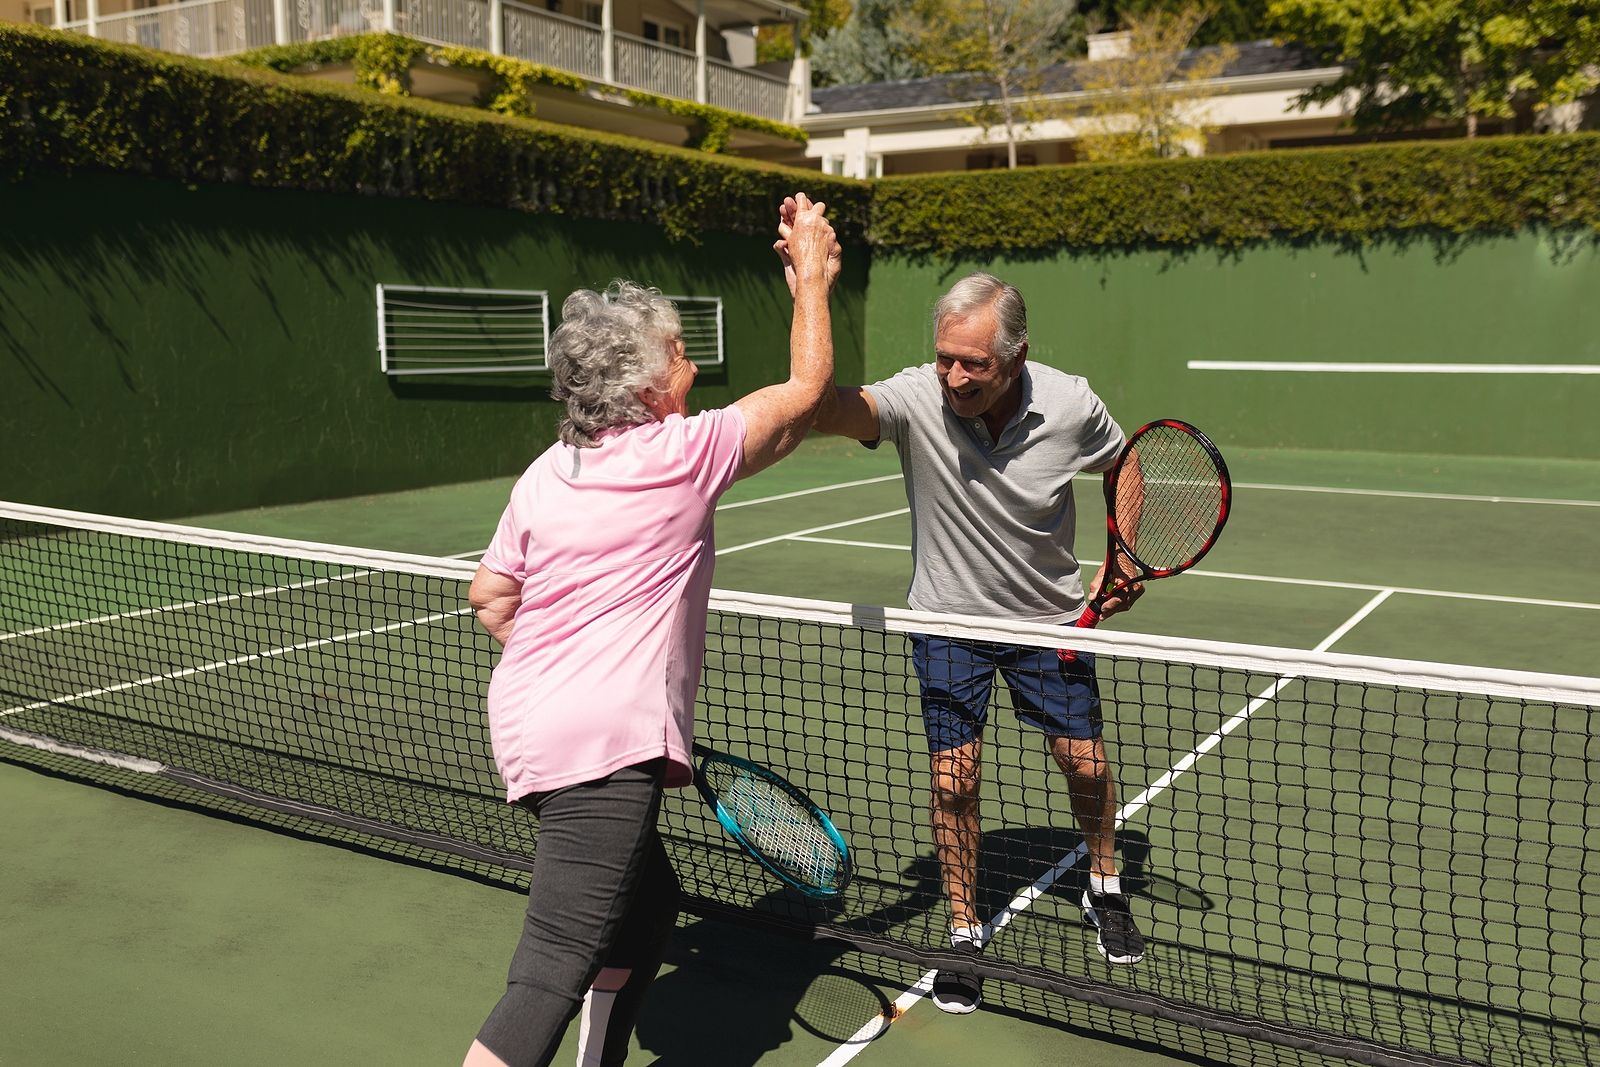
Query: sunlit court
pixel 1303 356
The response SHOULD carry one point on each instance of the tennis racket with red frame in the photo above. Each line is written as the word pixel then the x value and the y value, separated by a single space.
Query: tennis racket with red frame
pixel 1167 499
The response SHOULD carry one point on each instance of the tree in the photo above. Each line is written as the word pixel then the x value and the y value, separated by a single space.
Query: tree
pixel 777 43
pixel 1145 104
pixel 1001 47
pixel 1408 61
pixel 870 46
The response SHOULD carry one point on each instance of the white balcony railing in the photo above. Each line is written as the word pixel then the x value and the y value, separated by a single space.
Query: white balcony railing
pixel 457 22
pixel 216 28
pixel 222 27
pixel 315 20
pixel 554 41
pixel 738 89
pixel 655 68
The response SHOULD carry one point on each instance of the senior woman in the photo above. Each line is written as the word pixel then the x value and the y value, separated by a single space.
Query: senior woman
pixel 596 585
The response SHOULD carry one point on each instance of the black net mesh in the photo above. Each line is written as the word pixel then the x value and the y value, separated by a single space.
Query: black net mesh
pixel 1386 871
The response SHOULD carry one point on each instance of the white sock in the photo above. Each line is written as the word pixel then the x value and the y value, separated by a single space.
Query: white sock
pixel 593 1019
pixel 1100 884
pixel 977 935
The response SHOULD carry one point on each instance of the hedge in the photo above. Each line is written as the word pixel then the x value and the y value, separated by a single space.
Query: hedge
pixel 1344 194
pixel 69 102
pixel 383 61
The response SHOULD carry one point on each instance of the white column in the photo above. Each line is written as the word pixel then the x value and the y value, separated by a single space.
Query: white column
pixel 390 21
pixel 608 43
pixel 280 21
pixel 497 27
pixel 797 101
pixel 60 13
pixel 700 92
pixel 93 28
pixel 857 147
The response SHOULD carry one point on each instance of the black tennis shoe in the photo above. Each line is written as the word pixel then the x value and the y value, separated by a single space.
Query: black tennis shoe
pixel 955 991
pixel 1120 939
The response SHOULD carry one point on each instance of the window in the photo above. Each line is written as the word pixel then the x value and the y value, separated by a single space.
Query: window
pixel 701 317
pixel 836 165
pixel 582 9
pixel 428 330
pixel 665 33
pixel 43 16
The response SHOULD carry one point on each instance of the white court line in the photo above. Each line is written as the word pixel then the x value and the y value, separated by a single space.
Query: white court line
pixel 1418 495
pixel 808 492
pixel 758 500
pixel 1408 590
pixel 139 613
pixel 1090 476
pixel 1023 900
pixel 1393 368
pixel 254 657
pixel 1325 583
pixel 1403 494
pixel 813 530
pixel 850 544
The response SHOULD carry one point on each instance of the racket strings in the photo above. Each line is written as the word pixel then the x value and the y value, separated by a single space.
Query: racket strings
pixel 780 827
pixel 1169 510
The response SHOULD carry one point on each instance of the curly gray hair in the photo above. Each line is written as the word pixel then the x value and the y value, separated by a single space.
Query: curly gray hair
pixel 980 290
pixel 610 347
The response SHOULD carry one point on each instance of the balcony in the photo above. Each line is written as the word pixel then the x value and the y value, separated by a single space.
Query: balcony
pixel 213 28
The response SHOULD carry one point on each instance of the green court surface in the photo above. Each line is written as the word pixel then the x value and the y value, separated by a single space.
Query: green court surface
pixel 154 925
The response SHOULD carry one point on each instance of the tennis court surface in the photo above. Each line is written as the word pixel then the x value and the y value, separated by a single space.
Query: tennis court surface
pixel 1354 751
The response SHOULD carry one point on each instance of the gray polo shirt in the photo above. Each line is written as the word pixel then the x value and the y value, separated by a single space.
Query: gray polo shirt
pixel 992 521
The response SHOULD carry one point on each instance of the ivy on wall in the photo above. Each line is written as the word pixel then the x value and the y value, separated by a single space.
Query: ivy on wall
pixel 384 61
pixel 69 102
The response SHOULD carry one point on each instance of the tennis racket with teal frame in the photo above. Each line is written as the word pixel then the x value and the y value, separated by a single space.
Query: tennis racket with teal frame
pixel 775 822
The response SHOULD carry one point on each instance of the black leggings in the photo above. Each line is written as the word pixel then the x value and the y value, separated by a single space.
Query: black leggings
pixel 603 895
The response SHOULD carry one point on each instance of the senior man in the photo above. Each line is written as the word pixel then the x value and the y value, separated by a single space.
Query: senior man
pixel 988 446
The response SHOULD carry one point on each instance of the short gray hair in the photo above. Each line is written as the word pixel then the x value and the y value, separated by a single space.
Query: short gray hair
pixel 609 348
pixel 980 290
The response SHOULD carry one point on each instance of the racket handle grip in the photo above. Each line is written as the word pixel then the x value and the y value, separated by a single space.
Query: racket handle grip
pixel 1088 620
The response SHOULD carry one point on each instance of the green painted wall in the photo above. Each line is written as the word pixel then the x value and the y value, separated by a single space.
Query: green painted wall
pixel 1131 321
pixel 167 350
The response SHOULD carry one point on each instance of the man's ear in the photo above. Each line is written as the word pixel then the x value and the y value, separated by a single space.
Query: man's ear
pixel 1016 363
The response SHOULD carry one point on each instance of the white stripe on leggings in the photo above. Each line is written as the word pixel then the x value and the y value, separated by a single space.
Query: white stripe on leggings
pixel 595 1018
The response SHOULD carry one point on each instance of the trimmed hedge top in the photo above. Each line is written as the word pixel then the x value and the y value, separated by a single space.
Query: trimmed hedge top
pixel 1347 194
pixel 68 102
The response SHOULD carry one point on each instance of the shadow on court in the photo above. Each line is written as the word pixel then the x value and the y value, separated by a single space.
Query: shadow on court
pixel 1013 858
pixel 734 996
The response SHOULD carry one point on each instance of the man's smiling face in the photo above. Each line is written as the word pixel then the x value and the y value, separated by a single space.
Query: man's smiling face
pixel 971 375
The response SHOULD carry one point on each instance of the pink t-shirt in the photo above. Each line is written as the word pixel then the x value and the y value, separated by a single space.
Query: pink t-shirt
pixel 613 548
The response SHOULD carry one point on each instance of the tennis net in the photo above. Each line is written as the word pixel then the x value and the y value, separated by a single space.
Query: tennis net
pixel 1387 861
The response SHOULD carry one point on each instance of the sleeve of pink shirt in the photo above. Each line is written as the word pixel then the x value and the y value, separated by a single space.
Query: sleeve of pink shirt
pixel 507 551
pixel 714 450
